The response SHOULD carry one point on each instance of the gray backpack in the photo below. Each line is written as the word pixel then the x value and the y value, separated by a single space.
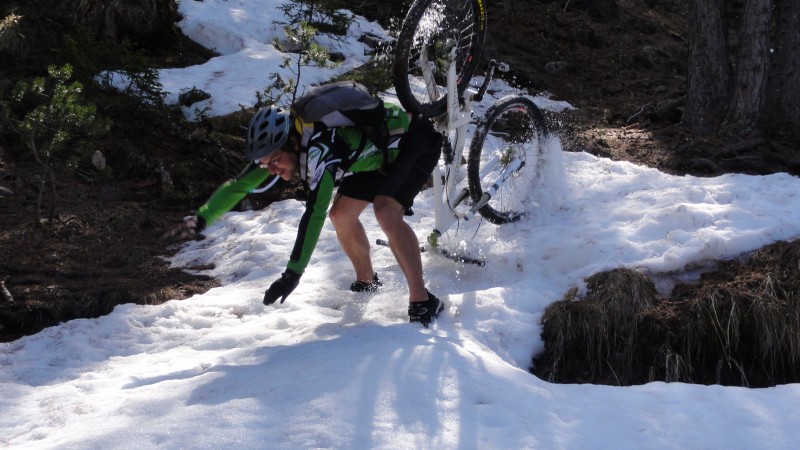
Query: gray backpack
pixel 341 104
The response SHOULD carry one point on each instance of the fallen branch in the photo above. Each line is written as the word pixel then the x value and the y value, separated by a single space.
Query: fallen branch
pixel 643 108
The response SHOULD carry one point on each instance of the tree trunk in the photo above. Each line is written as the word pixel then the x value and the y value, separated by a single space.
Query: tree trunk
pixel 709 73
pixel 749 90
pixel 783 91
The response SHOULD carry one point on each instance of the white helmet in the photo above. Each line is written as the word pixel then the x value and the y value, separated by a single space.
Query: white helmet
pixel 268 131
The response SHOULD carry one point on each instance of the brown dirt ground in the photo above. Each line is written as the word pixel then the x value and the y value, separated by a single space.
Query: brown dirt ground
pixel 624 74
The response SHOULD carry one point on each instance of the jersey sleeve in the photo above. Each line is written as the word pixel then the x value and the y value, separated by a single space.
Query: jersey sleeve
pixel 311 223
pixel 231 193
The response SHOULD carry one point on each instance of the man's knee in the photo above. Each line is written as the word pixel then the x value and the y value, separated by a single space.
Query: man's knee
pixel 345 210
pixel 387 210
pixel 342 216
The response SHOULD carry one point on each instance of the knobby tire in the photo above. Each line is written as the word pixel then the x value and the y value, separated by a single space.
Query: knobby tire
pixel 512 127
pixel 433 24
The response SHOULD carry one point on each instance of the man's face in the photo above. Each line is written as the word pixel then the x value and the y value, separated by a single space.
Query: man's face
pixel 280 163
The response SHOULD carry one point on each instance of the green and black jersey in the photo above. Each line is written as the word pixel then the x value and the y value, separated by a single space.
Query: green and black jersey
pixel 332 154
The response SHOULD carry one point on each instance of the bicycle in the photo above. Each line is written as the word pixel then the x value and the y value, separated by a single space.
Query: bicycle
pixel 436 54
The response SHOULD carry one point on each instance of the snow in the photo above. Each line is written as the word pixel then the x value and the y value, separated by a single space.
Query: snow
pixel 334 369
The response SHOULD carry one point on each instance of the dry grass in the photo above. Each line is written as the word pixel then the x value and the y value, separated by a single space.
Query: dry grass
pixel 737 326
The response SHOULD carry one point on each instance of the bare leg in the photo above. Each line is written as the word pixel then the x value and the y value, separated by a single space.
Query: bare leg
pixel 351 234
pixel 404 244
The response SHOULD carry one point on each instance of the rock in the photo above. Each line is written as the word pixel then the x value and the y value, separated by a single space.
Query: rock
pixel 556 66
pixel 98 160
pixel 336 57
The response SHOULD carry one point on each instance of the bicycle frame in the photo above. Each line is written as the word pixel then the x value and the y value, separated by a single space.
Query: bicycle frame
pixel 445 179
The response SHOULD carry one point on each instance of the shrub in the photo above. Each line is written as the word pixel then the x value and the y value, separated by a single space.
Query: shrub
pixel 56 122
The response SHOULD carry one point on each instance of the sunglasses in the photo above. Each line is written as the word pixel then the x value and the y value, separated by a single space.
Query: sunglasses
pixel 274 160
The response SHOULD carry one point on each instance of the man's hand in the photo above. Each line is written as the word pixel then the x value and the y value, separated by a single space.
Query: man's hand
pixel 190 228
pixel 282 287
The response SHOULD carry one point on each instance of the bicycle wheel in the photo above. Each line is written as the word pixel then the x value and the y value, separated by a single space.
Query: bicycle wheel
pixel 512 130
pixel 430 31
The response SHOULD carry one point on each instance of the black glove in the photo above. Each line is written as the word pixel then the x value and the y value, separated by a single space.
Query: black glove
pixel 190 228
pixel 282 288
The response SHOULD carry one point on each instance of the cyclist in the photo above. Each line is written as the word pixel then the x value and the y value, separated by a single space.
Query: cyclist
pixel 274 148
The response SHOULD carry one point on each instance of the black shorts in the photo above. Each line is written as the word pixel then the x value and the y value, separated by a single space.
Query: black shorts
pixel 402 180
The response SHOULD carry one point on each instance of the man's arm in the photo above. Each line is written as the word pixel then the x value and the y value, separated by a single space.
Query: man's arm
pixel 221 201
pixel 311 223
pixel 307 236
pixel 231 193
pixel 321 165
